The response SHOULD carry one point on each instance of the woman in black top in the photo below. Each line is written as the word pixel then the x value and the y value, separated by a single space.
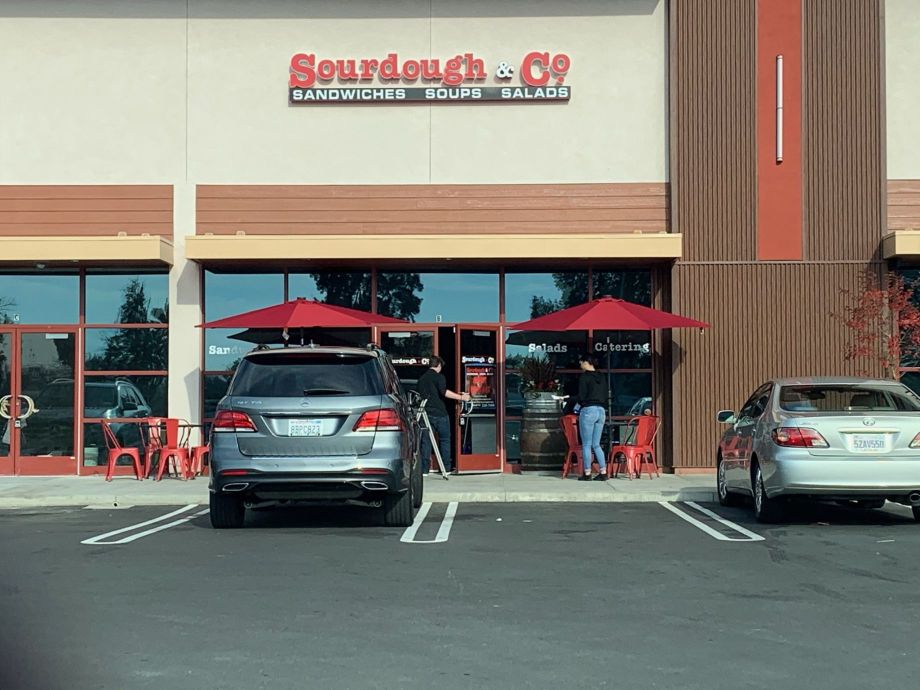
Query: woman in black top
pixel 592 396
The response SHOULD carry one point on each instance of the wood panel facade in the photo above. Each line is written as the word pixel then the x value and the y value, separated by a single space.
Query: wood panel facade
pixel 843 129
pixel 713 141
pixel 431 209
pixel 903 205
pixel 86 210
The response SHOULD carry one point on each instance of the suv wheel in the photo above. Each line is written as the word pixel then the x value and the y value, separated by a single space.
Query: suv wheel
pixel 227 512
pixel 766 509
pixel 726 497
pixel 398 510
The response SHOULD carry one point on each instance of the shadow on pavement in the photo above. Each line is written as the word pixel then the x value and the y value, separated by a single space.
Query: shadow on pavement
pixel 826 514
pixel 306 517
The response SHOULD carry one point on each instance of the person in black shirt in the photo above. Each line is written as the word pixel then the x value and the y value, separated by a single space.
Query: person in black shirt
pixel 592 396
pixel 432 386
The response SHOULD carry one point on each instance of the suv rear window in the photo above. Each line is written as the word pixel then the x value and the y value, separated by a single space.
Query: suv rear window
pixel 285 375
pixel 848 399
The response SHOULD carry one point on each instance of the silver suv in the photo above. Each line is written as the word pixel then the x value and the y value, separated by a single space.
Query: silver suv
pixel 315 424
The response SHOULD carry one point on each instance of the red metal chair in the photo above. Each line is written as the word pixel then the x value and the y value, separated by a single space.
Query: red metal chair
pixel 199 456
pixel 569 423
pixel 638 451
pixel 116 450
pixel 171 450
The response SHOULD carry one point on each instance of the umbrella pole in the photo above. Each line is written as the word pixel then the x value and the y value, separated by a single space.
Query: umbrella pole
pixel 609 389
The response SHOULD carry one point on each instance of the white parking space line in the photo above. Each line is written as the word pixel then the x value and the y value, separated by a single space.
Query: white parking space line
pixel 443 531
pixel 753 536
pixel 99 539
pixel 412 529
pixel 715 534
pixel 160 528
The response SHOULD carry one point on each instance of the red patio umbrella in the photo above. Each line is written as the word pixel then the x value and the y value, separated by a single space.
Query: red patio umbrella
pixel 302 313
pixel 607 313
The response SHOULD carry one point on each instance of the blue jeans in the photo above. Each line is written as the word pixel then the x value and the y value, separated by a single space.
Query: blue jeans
pixel 591 426
pixel 441 427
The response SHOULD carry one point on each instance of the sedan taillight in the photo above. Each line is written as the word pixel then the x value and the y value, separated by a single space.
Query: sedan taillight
pixel 379 420
pixel 230 420
pixel 798 437
pixel 916 442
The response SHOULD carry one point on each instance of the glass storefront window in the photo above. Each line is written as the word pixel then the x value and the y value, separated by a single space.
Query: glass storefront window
pixel 515 393
pixel 627 349
pixel 127 349
pixel 221 352
pixel 632 393
pixel 28 298
pixel 345 289
pixel 226 294
pixel 529 295
pixel 435 297
pixel 911 379
pixel 127 297
pixel 124 396
pixel 215 388
pixel 630 284
pixel 563 348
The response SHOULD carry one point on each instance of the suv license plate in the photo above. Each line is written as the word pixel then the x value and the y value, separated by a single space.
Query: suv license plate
pixel 305 427
pixel 869 443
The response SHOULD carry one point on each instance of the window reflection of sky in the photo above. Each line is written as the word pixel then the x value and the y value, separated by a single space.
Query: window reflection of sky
pixel 39 298
pixel 105 294
pixel 521 288
pixel 227 294
pixel 458 297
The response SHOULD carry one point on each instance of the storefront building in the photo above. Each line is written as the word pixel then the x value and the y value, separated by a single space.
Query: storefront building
pixel 460 165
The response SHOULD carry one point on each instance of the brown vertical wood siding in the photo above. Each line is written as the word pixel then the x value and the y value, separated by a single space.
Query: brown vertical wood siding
pixel 87 210
pixel 843 129
pixel 904 204
pixel 449 209
pixel 768 320
pixel 713 138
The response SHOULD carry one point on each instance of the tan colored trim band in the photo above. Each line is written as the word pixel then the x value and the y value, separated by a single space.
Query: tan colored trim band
pixel 901 243
pixel 149 249
pixel 529 246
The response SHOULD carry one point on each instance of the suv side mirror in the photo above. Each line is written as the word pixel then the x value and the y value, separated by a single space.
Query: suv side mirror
pixel 129 406
pixel 726 417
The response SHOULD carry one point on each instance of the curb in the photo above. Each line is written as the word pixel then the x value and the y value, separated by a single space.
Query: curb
pixel 430 495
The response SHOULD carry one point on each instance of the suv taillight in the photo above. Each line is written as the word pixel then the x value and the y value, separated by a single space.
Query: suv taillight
pixel 379 420
pixel 798 437
pixel 228 420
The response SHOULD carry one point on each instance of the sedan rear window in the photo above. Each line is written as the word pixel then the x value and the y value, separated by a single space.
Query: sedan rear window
pixel 831 398
pixel 285 375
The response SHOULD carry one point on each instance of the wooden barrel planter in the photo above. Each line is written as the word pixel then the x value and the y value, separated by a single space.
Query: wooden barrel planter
pixel 543 444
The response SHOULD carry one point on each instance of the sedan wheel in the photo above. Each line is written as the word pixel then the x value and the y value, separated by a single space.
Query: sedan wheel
pixel 765 508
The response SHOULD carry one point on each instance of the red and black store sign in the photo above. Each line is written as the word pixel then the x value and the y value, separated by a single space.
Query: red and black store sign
pixel 538 77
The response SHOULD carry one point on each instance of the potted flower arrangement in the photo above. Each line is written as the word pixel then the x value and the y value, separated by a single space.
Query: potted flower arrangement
pixel 539 383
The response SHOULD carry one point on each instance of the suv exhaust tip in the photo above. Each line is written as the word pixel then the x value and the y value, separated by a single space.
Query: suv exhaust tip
pixel 235 486
pixel 914 498
pixel 374 486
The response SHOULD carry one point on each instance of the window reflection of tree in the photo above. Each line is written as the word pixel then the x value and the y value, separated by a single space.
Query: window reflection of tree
pixel 396 292
pixel 135 348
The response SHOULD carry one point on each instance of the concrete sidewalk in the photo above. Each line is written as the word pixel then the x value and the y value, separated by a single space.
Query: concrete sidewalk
pixel 27 492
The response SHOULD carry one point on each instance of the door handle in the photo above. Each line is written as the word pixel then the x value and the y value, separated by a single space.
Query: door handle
pixel 5 406
pixel 30 407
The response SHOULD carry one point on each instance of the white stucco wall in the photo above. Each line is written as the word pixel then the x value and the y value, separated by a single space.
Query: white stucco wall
pixel 902 65
pixel 123 91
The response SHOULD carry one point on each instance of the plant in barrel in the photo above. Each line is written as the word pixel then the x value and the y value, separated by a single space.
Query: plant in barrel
pixel 543 444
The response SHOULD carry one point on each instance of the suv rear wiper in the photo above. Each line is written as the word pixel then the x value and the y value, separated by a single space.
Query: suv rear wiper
pixel 324 391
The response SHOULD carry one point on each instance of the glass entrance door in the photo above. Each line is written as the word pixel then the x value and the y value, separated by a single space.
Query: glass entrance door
pixel 478 424
pixel 410 352
pixel 37 396
pixel 6 401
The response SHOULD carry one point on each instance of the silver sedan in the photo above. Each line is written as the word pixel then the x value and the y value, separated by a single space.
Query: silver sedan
pixel 841 439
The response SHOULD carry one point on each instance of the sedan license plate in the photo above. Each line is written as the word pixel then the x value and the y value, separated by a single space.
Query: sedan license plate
pixel 305 427
pixel 869 443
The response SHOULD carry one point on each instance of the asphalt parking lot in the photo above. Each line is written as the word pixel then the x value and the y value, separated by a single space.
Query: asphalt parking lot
pixel 472 596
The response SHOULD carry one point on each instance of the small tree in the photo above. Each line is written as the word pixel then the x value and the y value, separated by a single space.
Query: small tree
pixel 884 323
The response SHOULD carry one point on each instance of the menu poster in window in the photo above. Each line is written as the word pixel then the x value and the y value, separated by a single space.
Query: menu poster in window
pixel 479 382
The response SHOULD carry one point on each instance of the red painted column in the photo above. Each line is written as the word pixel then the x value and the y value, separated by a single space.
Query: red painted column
pixel 779 183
